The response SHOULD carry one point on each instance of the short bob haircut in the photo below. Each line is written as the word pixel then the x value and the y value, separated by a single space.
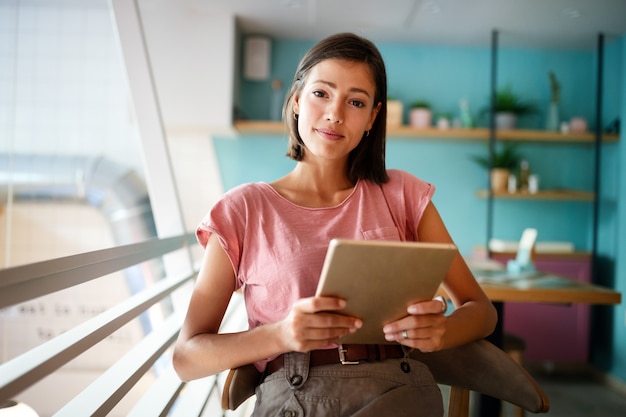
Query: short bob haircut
pixel 367 160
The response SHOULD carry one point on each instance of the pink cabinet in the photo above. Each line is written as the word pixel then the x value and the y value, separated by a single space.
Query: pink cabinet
pixel 553 332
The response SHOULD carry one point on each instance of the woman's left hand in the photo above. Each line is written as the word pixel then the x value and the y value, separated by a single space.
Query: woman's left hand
pixel 424 327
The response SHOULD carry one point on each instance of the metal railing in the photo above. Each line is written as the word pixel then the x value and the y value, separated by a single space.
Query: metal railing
pixel 168 395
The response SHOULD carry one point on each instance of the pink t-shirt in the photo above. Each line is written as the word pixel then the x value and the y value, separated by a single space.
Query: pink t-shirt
pixel 277 248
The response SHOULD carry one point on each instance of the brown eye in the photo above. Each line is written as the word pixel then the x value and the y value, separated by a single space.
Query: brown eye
pixel 357 103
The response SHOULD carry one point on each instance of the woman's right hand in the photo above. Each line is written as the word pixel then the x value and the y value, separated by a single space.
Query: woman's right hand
pixel 313 323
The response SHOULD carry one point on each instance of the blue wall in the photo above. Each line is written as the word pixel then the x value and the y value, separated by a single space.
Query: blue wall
pixel 447 164
pixel 442 76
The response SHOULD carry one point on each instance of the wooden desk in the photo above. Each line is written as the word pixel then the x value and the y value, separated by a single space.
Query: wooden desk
pixel 546 288
pixel 538 287
pixel 537 322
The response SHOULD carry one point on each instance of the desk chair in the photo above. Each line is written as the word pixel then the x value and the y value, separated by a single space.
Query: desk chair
pixel 478 366
pixel 515 346
pixel 482 367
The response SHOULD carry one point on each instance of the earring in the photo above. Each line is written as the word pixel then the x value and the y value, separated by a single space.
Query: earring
pixel 295 116
pixel 367 133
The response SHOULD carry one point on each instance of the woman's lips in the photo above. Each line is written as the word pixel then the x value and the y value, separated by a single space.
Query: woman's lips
pixel 329 134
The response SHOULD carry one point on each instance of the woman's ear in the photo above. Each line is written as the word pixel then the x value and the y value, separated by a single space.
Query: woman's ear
pixel 296 104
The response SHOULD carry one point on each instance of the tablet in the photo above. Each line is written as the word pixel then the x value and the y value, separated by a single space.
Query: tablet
pixel 380 279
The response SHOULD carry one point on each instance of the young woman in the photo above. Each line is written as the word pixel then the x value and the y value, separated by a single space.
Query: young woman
pixel 270 241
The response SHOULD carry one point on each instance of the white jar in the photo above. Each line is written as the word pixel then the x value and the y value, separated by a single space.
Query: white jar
pixel 533 184
pixel 512 184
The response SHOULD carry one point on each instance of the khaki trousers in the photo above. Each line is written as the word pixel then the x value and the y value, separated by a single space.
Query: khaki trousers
pixel 375 389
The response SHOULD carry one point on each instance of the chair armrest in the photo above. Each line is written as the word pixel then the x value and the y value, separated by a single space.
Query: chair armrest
pixel 482 367
pixel 240 385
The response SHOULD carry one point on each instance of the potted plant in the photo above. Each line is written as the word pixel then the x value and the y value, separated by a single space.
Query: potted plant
pixel 505 159
pixel 508 106
pixel 420 114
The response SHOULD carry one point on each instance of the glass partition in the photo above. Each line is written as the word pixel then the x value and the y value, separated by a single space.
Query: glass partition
pixel 71 176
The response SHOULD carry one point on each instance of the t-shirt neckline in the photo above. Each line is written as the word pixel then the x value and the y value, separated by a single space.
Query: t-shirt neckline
pixel 282 198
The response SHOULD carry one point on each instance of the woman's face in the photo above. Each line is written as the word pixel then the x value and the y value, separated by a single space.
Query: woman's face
pixel 335 107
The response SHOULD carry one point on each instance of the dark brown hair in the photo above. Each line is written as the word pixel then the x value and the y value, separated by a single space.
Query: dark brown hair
pixel 367 160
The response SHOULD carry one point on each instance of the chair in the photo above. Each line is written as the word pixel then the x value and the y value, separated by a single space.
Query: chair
pixel 482 367
pixel 478 366
pixel 515 346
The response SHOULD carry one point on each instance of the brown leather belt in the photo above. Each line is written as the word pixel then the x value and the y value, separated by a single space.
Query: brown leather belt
pixel 345 354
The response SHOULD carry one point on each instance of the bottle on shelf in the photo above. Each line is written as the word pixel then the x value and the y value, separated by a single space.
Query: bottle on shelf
pixel 533 184
pixel 524 174
pixel 512 184
pixel 467 120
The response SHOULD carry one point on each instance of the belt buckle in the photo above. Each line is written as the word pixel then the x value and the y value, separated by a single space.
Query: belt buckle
pixel 342 357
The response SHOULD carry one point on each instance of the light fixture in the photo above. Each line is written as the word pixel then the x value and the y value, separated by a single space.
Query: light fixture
pixel 292 4
pixel 571 12
pixel 432 7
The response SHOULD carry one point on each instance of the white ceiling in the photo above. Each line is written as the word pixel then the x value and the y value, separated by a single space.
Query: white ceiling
pixel 546 23
pixel 533 23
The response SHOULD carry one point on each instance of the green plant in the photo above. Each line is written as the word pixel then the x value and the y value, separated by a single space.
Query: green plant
pixel 555 88
pixel 508 101
pixel 505 156
pixel 420 104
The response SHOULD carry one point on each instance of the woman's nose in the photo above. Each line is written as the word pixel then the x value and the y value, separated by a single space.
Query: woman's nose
pixel 334 112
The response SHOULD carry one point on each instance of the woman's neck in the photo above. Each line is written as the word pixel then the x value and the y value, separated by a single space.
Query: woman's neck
pixel 314 186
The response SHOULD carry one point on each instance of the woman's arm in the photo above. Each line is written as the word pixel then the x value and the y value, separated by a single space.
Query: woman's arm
pixel 200 351
pixel 474 316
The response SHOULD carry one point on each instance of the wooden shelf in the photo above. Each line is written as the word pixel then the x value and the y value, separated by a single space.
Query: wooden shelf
pixel 546 136
pixel 408 132
pixel 260 126
pixel 480 253
pixel 563 195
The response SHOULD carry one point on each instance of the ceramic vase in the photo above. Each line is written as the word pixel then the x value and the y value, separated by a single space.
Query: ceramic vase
pixel 420 117
pixel 578 125
pixel 506 120
pixel 552 118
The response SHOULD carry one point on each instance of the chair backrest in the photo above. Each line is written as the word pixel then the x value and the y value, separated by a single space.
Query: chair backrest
pixel 478 366
pixel 482 367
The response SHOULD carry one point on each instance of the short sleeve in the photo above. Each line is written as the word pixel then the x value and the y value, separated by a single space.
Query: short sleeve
pixel 227 222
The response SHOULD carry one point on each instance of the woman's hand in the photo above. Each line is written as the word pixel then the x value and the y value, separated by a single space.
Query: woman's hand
pixel 423 329
pixel 314 324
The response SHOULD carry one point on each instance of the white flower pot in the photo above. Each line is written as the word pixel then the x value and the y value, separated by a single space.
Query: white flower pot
pixel 506 121
pixel 420 117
